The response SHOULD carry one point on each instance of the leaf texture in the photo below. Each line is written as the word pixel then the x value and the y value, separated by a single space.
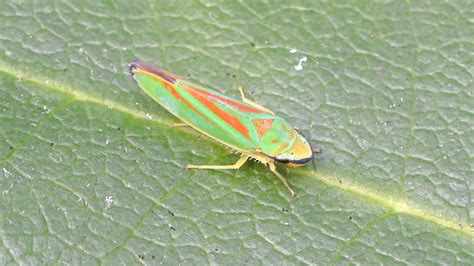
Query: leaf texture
pixel 92 171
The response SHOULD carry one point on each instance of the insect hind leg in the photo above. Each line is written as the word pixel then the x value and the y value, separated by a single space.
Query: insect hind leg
pixel 180 125
pixel 237 165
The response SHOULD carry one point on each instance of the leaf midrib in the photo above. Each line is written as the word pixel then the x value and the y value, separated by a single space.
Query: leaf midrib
pixel 397 205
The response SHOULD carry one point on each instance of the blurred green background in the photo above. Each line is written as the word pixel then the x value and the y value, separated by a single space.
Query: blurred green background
pixel 91 171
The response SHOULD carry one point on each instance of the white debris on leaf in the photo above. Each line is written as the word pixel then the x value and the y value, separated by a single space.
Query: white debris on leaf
pixel 46 109
pixel 108 201
pixel 5 192
pixel 5 171
pixel 300 63
pixel 148 116
pixel 294 50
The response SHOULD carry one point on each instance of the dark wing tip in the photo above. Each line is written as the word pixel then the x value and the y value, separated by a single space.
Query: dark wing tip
pixel 137 64
pixel 133 66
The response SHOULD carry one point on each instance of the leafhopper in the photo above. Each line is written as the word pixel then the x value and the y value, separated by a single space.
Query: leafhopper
pixel 242 125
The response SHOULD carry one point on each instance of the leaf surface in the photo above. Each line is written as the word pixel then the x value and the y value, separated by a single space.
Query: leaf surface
pixel 92 171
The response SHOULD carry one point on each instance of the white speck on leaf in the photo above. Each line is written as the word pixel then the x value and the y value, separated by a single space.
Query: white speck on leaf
pixel 5 192
pixel 46 109
pixel 300 63
pixel 294 50
pixel 108 201
pixel 148 116
pixel 5 171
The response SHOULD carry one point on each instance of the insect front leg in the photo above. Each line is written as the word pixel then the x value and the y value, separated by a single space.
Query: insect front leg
pixel 237 165
pixel 283 179
pixel 253 104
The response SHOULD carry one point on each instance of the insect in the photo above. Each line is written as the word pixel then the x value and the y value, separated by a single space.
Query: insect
pixel 243 125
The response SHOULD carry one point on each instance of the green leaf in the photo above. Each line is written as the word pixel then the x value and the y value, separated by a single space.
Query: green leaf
pixel 92 171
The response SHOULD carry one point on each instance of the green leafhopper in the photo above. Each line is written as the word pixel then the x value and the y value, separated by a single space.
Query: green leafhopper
pixel 243 125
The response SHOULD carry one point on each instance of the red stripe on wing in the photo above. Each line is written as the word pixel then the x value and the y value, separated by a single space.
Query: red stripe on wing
pixel 226 117
pixel 172 90
pixel 239 106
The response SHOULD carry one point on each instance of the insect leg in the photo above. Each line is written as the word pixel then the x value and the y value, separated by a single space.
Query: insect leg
pixel 180 125
pixel 253 104
pixel 273 169
pixel 237 165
